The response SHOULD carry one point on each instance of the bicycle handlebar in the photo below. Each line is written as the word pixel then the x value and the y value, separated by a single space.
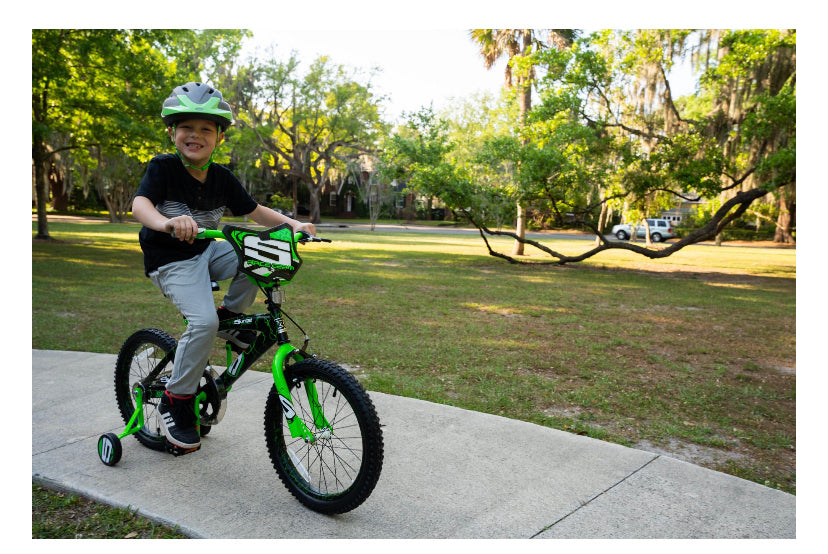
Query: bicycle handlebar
pixel 216 234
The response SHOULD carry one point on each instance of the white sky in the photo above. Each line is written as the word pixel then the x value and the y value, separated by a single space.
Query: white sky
pixel 418 67
pixel 422 46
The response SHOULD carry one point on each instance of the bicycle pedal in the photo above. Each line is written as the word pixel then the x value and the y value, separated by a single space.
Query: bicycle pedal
pixel 177 450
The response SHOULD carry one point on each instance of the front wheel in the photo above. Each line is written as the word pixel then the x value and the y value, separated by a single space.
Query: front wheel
pixel 339 469
pixel 621 235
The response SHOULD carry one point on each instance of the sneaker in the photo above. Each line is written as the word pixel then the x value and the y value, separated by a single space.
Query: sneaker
pixel 179 420
pixel 242 338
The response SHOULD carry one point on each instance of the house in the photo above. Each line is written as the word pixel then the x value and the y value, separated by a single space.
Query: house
pixel 340 200
pixel 684 209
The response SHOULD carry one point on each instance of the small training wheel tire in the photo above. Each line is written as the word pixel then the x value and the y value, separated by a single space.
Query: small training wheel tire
pixel 109 449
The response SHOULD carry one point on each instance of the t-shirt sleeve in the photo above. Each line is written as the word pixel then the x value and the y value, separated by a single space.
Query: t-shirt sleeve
pixel 151 185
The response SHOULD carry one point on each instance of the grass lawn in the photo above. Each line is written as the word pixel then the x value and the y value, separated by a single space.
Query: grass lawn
pixel 57 515
pixel 694 356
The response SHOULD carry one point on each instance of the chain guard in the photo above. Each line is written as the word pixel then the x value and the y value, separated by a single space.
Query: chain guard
pixel 212 409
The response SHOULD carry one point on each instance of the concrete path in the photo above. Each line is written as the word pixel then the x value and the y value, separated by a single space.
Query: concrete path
pixel 448 473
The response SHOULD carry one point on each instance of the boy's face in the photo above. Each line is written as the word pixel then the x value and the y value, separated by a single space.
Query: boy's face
pixel 196 139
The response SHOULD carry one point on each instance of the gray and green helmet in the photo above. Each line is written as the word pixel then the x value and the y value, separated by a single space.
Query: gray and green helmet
pixel 196 100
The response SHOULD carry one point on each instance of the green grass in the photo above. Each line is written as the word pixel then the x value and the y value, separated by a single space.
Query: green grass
pixel 56 515
pixel 696 351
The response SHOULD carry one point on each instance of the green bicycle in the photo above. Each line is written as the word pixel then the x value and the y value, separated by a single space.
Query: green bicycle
pixel 321 428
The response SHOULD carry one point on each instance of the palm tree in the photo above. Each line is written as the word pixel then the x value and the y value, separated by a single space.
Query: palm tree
pixel 496 43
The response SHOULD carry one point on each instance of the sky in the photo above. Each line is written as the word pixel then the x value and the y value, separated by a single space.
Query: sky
pixel 418 67
pixel 422 47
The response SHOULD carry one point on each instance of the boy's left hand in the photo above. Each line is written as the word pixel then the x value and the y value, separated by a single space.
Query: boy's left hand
pixel 307 228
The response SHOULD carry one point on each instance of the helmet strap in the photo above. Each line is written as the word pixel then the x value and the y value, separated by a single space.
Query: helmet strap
pixel 203 167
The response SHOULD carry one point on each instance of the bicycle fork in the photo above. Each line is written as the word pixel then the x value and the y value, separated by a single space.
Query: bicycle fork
pixel 297 427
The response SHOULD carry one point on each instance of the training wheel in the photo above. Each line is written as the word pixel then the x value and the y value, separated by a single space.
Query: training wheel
pixel 109 449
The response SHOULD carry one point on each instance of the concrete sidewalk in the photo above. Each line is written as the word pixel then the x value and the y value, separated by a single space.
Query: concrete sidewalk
pixel 448 473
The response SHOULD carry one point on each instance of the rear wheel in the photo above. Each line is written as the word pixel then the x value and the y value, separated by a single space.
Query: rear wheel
pixel 338 470
pixel 656 237
pixel 145 361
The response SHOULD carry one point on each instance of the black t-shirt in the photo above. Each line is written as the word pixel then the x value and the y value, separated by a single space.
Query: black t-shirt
pixel 173 191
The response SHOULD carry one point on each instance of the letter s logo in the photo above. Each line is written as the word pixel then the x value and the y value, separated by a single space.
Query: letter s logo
pixel 106 450
pixel 287 407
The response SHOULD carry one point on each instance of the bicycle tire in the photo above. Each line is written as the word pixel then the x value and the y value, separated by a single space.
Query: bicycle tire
pixel 338 471
pixel 138 357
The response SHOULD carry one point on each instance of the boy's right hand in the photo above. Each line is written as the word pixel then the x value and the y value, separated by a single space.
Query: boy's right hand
pixel 183 227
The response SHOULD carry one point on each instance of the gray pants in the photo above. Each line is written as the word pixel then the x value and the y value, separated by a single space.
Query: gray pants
pixel 187 284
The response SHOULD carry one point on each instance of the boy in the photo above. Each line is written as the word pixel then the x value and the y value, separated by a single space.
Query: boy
pixel 178 194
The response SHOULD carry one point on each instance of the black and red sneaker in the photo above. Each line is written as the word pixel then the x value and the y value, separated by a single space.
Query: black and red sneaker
pixel 179 420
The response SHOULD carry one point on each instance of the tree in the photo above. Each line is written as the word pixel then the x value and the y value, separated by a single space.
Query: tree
pixel 96 96
pixel 512 43
pixel 423 155
pixel 736 138
pixel 609 134
pixel 753 83
pixel 307 124
pixel 85 98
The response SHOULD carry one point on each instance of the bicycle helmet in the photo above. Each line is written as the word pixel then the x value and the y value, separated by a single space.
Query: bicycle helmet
pixel 196 100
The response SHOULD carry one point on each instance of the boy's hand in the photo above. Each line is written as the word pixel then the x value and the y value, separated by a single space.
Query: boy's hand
pixel 183 227
pixel 307 228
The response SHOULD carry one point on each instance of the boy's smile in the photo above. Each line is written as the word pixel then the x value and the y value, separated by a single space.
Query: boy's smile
pixel 196 139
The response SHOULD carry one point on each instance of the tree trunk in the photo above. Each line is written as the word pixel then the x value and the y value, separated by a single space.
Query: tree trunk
pixel 60 196
pixel 787 217
pixel 520 230
pixel 39 156
pixel 647 238
pixel 601 222
pixel 315 217
pixel 110 207
pixel 295 196
pixel 524 105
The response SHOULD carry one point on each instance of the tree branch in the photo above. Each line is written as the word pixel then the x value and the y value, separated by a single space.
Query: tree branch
pixel 730 210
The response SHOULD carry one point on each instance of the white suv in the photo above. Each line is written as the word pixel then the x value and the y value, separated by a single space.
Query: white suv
pixel 660 229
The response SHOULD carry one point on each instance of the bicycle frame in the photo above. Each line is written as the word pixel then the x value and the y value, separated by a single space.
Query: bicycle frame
pixel 271 331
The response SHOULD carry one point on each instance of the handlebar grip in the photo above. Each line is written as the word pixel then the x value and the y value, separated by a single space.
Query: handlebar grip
pixel 304 237
pixel 198 236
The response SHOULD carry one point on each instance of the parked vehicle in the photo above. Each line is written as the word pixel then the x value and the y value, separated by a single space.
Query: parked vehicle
pixel 660 229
